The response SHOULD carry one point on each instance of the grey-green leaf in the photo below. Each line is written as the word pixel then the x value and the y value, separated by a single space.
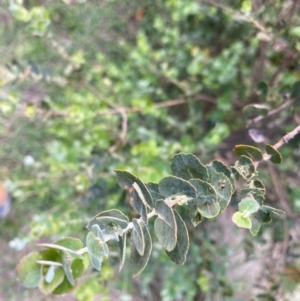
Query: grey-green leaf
pixel 244 166
pixel 122 246
pixel 139 206
pixel 97 231
pixel 94 250
pixel 111 221
pixel 219 166
pixel 223 189
pixel 138 262
pixel 138 236
pixel 195 216
pixel 67 269
pixel 109 213
pixel 248 205
pixel 126 181
pixel 207 199
pixel 153 189
pixel 188 166
pixel 165 225
pixel 256 224
pixel 205 192
pixel 209 210
pixel 178 254
pixel 175 186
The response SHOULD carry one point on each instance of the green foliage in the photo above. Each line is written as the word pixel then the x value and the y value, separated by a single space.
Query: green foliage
pixel 89 87
pixel 207 193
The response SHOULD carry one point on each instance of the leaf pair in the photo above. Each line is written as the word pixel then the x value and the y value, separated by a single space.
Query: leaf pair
pixel 56 269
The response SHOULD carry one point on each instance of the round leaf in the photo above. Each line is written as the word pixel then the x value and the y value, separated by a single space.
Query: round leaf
pixel 248 205
pixel 29 271
pixel 249 151
pixel 242 221
pixel 175 186
pixel 188 166
pixel 274 153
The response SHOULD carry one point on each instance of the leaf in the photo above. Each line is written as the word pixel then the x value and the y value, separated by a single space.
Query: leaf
pixel 50 274
pixel 269 209
pixel 138 262
pixel 58 277
pixel 178 254
pixel 207 200
pixel 262 216
pixel 170 186
pixel 94 250
pixel 219 166
pixel 256 225
pixel 209 210
pixel 248 205
pixel 29 271
pixel 188 166
pixel 67 270
pixel 138 237
pixel 61 248
pixel 223 189
pixel 244 166
pixel 109 213
pixel 77 268
pixel 97 231
pixel 111 221
pixel 249 151
pixel 48 287
pixel 109 232
pixel 139 206
pixel 256 135
pixel 205 192
pixel 122 246
pixel 126 181
pixel 274 153
pixel 153 189
pixel 195 217
pixel 242 221
pixel 254 110
pixel 165 225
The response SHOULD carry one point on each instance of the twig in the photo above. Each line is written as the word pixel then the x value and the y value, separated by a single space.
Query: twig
pixel 165 104
pixel 275 111
pixel 285 139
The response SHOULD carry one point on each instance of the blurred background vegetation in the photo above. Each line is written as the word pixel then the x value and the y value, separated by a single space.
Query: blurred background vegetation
pixel 87 86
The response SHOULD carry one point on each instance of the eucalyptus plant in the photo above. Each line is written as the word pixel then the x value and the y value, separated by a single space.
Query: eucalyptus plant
pixel 206 192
